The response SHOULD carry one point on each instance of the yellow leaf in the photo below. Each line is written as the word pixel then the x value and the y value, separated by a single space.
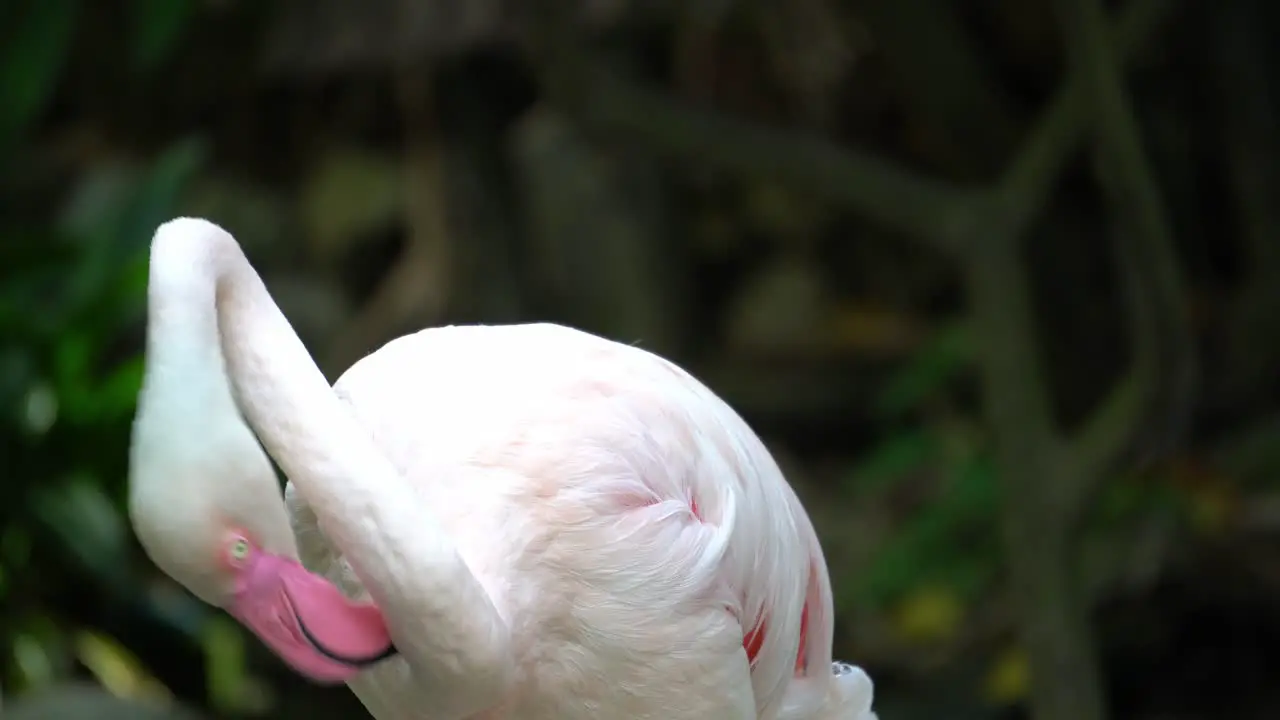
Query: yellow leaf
pixel 118 670
pixel 929 614
pixel 1210 508
pixel 231 688
pixel 864 328
pixel 1008 678
pixel 1210 499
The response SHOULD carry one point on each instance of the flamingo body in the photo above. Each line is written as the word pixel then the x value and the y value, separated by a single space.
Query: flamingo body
pixel 597 522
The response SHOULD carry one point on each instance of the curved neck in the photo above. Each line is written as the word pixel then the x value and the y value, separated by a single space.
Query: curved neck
pixel 410 568
pixel 186 376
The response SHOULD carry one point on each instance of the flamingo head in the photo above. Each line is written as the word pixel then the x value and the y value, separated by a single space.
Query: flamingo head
pixel 207 508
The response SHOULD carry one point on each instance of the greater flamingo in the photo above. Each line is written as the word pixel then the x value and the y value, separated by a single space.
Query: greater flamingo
pixel 525 522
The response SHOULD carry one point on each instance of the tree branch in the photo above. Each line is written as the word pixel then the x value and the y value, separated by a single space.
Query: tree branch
pixel 1031 176
pixel 937 68
pixel 927 210
pixel 1046 482
pixel 1019 197
pixel 416 287
pixel 1032 463
pixel 1148 259
pixel 940 215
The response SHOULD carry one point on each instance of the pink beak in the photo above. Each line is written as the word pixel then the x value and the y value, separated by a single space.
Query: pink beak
pixel 305 620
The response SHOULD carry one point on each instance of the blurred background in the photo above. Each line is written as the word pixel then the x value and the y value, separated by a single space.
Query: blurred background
pixel 996 280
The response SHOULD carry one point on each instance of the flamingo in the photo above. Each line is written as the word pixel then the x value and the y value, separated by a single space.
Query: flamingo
pixel 480 522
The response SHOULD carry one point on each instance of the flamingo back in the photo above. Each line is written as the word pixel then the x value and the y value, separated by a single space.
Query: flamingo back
pixel 637 537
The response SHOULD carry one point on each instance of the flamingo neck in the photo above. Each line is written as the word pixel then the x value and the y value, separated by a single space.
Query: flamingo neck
pixel 198 272
pixel 440 617
pixel 194 464
pixel 186 375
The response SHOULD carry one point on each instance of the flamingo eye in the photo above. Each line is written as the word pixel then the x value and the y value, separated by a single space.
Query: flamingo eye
pixel 239 550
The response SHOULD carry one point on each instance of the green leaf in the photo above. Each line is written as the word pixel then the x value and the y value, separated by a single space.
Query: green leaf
pixel 15 547
pixel 87 524
pixel 929 370
pixel 73 359
pixel 893 459
pixel 157 25
pixel 157 198
pixel 84 400
pixel 973 494
pixel 98 201
pixel 970 574
pixel 133 278
pixel 918 547
pixel 1120 499
pixel 111 246
pixel 18 370
pixel 117 396
pixel 32 54
pixel 951 542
